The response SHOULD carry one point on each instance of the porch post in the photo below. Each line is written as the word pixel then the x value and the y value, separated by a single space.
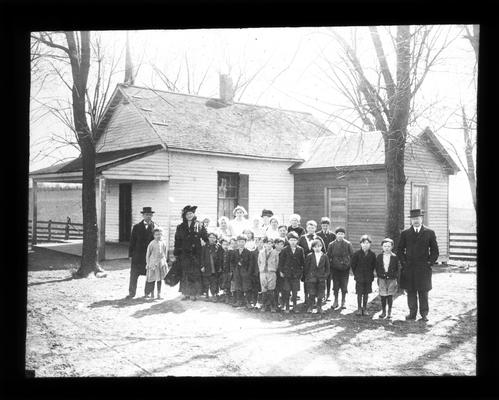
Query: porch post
pixel 35 213
pixel 101 224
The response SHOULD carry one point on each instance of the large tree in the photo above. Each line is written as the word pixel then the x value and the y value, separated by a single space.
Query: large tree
pixel 76 52
pixel 382 94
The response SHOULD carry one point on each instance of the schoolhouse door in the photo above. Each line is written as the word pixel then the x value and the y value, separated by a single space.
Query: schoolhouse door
pixel 125 211
pixel 336 200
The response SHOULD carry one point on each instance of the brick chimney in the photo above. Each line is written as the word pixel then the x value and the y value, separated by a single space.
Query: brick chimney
pixel 226 89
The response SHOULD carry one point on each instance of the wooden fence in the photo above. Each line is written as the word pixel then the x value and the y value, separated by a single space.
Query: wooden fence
pixel 462 246
pixel 53 231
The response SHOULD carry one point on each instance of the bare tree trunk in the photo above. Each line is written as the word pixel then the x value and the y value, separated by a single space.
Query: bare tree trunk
pixel 395 139
pixel 80 65
pixel 468 150
pixel 395 188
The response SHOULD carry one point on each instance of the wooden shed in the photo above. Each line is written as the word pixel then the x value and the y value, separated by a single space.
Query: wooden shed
pixel 345 179
pixel 166 150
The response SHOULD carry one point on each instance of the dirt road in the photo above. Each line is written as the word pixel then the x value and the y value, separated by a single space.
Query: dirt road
pixel 85 328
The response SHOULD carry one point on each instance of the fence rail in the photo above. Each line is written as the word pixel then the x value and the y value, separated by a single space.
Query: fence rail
pixel 55 231
pixel 462 246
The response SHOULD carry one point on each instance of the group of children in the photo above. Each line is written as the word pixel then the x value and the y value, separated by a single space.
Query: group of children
pixel 267 270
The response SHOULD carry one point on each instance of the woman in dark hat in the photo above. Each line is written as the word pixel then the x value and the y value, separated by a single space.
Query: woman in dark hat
pixel 187 249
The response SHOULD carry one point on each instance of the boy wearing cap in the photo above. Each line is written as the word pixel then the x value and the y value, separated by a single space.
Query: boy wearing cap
pixel 211 259
pixel 327 237
pixel 363 266
pixel 291 263
pixel 240 266
pixel 387 270
pixel 340 252
pixel 316 270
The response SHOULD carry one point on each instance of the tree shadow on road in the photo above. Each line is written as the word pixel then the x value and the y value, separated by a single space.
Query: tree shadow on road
pixel 167 306
pixel 459 334
pixel 69 278
pixel 119 303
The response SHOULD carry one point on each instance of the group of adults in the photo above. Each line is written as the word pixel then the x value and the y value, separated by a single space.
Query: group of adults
pixel 417 250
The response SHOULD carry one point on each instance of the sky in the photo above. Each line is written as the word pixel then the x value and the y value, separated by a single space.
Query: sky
pixel 290 69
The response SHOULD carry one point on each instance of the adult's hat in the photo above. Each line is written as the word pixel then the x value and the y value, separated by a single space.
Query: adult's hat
pixel 240 208
pixel 417 212
pixel 325 220
pixel 189 208
pixel 267 213
pixel 340 229
pixel 292 235
pixel 147 210
pixel 365 237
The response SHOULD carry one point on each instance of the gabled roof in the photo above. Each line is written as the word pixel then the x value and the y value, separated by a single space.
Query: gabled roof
pixel 102 161
pixel 196 123
pixel 365 149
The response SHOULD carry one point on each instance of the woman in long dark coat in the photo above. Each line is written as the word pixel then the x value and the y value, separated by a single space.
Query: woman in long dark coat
pixel 187 250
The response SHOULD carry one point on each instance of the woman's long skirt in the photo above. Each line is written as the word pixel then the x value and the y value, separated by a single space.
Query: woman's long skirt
pixel 191 282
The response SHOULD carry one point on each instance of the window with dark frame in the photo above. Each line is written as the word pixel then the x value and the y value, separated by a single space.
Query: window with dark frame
pixel 228 193
pixel 419 199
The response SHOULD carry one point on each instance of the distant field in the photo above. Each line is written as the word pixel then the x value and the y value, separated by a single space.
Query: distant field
pixel 462 220
pixel 57 205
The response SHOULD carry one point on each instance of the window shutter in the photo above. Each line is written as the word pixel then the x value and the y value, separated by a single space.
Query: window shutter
pixel 244 191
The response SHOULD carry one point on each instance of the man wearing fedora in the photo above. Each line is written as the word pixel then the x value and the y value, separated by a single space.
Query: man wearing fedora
pixel 417 251
pixel 142 235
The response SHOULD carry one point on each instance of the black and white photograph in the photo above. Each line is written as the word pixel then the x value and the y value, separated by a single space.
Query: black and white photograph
pixel 253 202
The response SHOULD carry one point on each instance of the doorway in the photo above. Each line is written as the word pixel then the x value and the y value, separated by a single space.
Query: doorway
pixel 125 211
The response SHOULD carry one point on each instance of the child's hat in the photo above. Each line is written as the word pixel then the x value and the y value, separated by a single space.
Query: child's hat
pixel 325 220
pixel 387 240
pixel 242 237
pixel 292 235
pixel 340 229
pixel 365 237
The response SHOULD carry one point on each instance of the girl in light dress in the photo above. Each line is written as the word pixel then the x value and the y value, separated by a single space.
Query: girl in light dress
pixel 223 231
pixel 156 265
pixel 273 229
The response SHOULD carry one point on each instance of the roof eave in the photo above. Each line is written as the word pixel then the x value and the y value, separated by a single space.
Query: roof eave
pixel 339 168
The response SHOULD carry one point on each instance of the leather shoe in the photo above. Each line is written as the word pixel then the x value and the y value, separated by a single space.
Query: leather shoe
pixel 424 318
pixel 410 317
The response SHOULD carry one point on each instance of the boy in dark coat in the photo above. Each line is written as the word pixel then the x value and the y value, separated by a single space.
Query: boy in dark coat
pixel 340 252
pixel 291 263
pixel 316 270
pixel 363 266
pixel 240 261
pixel 225 275
pixel 387 270
pixel 211 255
pixel 417 252
pixel 142 235
pixel 327 237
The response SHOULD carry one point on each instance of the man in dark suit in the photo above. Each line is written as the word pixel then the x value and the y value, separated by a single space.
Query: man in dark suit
pixel 417 251
pixel 142 234
pixel 327 237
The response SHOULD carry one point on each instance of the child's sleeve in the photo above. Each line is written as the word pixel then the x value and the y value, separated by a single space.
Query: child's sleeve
pixel 148 253
pixel 327 266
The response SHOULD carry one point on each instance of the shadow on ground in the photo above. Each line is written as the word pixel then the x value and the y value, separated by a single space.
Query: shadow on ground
pixel 163 307
pixel 119 303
